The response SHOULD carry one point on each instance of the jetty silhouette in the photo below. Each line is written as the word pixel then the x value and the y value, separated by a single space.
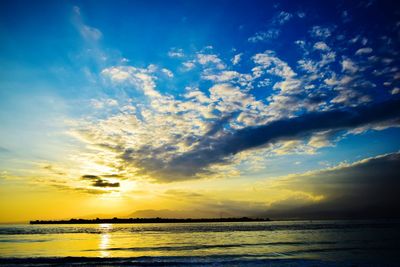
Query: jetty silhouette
pixel 148 220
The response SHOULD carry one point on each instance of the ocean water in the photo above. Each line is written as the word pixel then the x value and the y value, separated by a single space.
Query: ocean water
pixel 275 243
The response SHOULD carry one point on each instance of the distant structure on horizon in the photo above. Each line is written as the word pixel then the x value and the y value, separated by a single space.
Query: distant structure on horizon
pixel 149 220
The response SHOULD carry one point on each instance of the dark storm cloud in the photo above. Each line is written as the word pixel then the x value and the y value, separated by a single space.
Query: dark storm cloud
pixel 211 149
pixel 219 125
pixel 97 181
pixel 366 189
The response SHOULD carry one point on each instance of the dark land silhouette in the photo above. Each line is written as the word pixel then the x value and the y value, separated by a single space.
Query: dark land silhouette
pixel 148 220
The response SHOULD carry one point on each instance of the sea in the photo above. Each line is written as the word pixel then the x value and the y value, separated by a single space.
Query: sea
pixel 274 243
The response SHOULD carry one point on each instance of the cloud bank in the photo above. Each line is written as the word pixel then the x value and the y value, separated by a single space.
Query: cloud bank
pixel 365 189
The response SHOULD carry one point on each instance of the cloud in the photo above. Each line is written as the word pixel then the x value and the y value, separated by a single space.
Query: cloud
pixel 268 62
pixel 103 103
pixel 176 53
pixel 198 95
pixel 213 150
pixel 395 91
pixel 321 139
pixel 140 78
pixel 236 59
pixel 188 65
pixel 89 33
pixel 84 190
pixel 90 177
pixel 320 32
pixel 321 46
pixel 308 65
pixel 230 99
pixel 97 181
pixel 54 170
pixel 282 18
pixel 273 28
pixel 181 194
pixel 349 66
pixel 301 14
pixel 365 189
pixel 263 36
pixel 363 51
pixel 206 59
pixel 167 72
pixel 102 183
pixel 228 76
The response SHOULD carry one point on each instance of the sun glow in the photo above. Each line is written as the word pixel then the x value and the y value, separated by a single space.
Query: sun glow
pixel 95 168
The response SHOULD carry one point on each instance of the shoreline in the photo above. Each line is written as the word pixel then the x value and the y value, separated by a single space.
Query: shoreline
pixel 148 220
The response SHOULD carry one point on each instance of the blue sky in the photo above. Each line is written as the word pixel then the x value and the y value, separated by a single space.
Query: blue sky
pixel 165 92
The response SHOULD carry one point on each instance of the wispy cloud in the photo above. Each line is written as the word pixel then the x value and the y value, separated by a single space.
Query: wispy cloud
pixel 364 50
pixel 262 36
pixel 236 59
pixel 90 34
pixel 321 32
pixel 282 18
pixel 176 53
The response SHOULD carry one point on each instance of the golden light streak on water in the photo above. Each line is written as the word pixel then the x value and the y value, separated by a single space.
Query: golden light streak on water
pixel 105 239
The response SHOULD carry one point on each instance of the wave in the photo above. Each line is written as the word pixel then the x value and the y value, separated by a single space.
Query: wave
pixel 207 246
pixel 196 228
pixel 243 260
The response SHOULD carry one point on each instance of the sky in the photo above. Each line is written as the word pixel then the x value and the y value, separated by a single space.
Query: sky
pixel 280 109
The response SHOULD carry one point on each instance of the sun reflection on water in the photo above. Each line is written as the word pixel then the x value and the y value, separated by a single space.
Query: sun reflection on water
pixel 104 239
